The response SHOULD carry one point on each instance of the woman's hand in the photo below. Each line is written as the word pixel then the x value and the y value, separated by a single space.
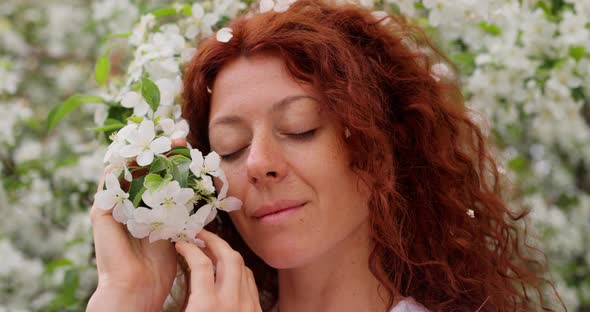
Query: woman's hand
pixel 219 279
pixel 133 274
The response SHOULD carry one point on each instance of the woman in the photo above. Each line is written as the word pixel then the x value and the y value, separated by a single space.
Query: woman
pixel 366 186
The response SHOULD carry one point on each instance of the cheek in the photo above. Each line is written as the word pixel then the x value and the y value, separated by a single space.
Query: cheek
pixel 236 178
pixel 341 186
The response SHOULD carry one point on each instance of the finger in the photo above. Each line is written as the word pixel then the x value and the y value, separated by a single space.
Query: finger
pixel 178 142
pixel 229 264
pixel 247 296
pixel 244 288
pixel 95 210
pixel 110 237
pixel 201 273
pixel 252 288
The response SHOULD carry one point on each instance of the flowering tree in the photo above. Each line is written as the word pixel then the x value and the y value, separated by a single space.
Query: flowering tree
pixel 525 68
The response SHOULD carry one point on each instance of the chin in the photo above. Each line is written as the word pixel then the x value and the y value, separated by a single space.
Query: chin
pixel 282 255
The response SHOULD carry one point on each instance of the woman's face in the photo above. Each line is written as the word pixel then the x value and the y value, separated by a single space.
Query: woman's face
pixel 280 150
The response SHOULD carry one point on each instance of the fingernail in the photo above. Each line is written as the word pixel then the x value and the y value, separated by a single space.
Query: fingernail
pixel 200 243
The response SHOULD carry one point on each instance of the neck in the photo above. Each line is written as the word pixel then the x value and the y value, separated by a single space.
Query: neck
pixel 338 280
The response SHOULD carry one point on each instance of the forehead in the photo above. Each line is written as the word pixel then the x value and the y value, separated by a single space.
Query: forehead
pixel 249 86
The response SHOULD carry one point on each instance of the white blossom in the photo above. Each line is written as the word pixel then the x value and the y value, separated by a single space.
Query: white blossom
pixel 170 196
pixel 134 100
pixel 174 130
pixel 114 198
pixel 158 223
pixel 139 31
pixel 144 144
pixel 224 34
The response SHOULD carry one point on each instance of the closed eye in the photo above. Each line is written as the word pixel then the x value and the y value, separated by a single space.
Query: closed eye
pixel 296 136
pixel 302 135
pixel 232 156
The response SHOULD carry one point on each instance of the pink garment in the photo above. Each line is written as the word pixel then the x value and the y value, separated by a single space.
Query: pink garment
pixel 406 305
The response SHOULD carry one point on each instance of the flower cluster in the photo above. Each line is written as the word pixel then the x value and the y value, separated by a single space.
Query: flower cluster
pixel 166 185
pixel 174 180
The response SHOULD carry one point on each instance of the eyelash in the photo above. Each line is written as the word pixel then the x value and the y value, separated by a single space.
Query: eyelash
pixel 296 136
pixel 303 135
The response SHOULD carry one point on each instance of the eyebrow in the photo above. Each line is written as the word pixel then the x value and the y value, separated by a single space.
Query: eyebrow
pixel 277 106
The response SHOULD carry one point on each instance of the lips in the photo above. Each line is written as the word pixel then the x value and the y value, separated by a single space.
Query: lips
pixel 276 207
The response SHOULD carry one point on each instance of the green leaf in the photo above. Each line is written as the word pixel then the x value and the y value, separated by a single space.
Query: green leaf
pixel 163 11
pixel 222 22
pixel 67 161
pixel 110 125
pixel 518 163
pixel 61 110
pixel 567 200
pixel 187 10
pixel 466 60
pixel 67 297
pixel 491 29
pixel 180 170
pixel 110 37
pixel 160 163
pixel 135 188
pixel 136 119
pixel 152 182
pixel 167 179
pixel 137 198
pixel 151 93
pixel 103 68
pixel 577 52
pixel 51 266
pixel 176 159
pixel 419 6
pixel 71 281
pixel 181 150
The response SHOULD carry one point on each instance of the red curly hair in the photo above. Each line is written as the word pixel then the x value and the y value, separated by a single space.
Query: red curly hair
pixel 427 163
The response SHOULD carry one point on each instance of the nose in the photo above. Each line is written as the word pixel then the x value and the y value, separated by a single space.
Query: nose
pixel 266 163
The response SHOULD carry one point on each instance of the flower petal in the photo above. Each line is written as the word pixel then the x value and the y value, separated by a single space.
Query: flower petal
pixel 120 214
pixel 128 151
pixel 266 5
pixel 230 204
pixel 131 136
pixel 224 34
pixel 167 125
pixel 224 186
pixel 145 158
pixel 104 199
pixel 112 183
pixel 211 216
pixel 176 216
pixel 144 215
pixel 153 199
pixel 128 176
pixel 146 131
pixel 206 183
pixel 161 145
pixel 202 214
pixel 141 109
pixel 212 161
pixel 197 157
pixel 130 99
pixel 184 196
pixel 138 229
pixel 166 232
pixel 198 11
